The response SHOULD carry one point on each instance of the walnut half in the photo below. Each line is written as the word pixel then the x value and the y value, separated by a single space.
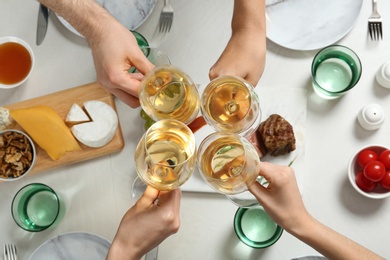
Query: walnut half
pixel 16 154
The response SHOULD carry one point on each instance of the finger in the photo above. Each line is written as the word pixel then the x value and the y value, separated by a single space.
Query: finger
pixel 142 64
pixel 150 195
pixel 259 191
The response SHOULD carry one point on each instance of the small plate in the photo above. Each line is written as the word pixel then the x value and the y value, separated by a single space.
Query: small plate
pixel 130 13
pixel 308 24
pixel 73 246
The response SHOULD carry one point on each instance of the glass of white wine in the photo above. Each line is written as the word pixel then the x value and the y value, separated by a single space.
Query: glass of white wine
pixel 228 162
pixel 165 157
pixel 168 92
pixel 230 104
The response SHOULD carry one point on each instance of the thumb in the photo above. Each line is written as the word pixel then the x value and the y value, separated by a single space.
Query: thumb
pixel 142 64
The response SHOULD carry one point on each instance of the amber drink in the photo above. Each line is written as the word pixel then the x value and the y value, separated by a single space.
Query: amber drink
pixel 169 93
pixel 165 157
pixel 228 162
pixel 229 104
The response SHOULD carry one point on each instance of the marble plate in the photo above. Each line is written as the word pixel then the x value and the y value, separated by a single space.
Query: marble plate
pixel 308 24
pixel 73 246
pixel 130 13
pixel 291 104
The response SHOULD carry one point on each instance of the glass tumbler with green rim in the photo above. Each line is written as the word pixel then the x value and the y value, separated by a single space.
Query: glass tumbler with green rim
pixel 335 70
pixel 255 228
pixel 36 207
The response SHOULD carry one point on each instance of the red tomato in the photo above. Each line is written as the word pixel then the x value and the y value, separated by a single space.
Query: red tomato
pixel 363 183
pixel 367 156
pixel 385 182
pixel 374 171
pixel 384 158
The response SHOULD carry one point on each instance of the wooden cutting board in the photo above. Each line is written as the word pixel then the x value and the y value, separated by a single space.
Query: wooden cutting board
pixel 61 102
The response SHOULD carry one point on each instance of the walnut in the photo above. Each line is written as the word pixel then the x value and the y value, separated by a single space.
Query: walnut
pixel 16 154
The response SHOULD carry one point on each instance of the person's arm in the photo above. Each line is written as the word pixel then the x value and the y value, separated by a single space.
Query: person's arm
pixel 244 55
pixel 283 202
pixel 146 224
pixel 114 48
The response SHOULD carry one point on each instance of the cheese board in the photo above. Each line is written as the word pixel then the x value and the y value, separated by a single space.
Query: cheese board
pixel 61 102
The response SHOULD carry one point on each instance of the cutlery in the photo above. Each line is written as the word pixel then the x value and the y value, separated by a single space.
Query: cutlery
pixel 43 15
pixel 375 23
pixel 10 252
pixel 166 17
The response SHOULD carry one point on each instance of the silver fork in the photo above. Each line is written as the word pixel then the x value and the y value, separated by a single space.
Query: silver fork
pixel 10 252
pixel 166 17
pixel 375 23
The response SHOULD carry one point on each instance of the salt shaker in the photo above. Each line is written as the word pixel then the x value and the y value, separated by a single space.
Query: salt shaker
pixel 383 75
pixel 371 117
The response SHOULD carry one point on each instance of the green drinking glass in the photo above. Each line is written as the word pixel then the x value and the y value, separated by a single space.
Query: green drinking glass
pixel 255 228
pixel 335 70
pixel 36 207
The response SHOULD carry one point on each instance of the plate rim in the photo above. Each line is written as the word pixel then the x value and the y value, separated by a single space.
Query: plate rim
pixel 311 48
pixel 68 234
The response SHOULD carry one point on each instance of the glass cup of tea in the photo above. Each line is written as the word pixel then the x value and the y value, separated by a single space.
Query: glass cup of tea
pixel 168 92
pixel 228 163
pixel 36 207
pixel 16 62
pixel 165 157
pixel 335 70
pixel 230 104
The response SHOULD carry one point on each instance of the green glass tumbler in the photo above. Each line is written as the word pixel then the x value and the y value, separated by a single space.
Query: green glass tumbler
pixel 141 40
pixel 255 228
pixel 35 207
pixel 335 70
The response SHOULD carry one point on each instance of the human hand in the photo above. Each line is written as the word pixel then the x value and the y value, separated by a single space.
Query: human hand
pixel 244 56
pixel 115 51
pixel 146 224
pixel 281 198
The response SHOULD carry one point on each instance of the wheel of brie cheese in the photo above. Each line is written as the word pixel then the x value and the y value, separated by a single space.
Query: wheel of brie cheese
pixel 101 130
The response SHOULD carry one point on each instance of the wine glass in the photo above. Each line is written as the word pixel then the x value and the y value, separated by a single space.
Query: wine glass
pixel 168 92
pixel 228 162
pixel 165 157
pixel 230 104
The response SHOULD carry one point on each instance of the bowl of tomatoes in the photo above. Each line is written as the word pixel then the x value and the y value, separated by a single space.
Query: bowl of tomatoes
pixel 369 171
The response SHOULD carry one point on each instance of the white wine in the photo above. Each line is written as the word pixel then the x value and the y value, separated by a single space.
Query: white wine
pixel 165 157
pixel 167 92
pixel 230 105
pixel 228 163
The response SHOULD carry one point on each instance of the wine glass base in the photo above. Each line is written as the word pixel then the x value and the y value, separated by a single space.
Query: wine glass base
pixel 137 189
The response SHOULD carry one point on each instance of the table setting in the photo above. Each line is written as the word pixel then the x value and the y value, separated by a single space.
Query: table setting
pixel 91 188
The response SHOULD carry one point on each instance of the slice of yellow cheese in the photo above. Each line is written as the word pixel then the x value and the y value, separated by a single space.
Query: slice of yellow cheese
pixel 47 129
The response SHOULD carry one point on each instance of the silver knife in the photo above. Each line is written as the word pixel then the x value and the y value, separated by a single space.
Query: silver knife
pixel 43 16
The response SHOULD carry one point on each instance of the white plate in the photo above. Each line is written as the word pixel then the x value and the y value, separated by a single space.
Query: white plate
pixel 73 246
pixel 130 13
pixel 310 24
pixel 289 103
